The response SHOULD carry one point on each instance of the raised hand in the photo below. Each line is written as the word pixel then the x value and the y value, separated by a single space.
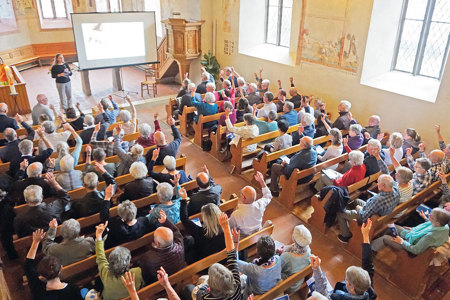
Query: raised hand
pixel 162 216
pixel 366 135
pixel 380 136
pixel 176 179
pixel 163 278
pixel 99 229
pixel 223 220
pixel 438 128
pixel 24 165
pixel 40 131
pixel 109 192
pixel 235 233
pixel 301 129
pixel 365 230
pixel 422 147
pixel 345 141
pixel 221 73
pixel 97 127
pixel 291 79
pixel 78 105
pixel 315 262
pixel 18 118
pixel 100 168
pixel 349 116
pixel 50 177
pixel 155 116
pixel 88 149
pixel 279 83
pixel 38 236
pixel 442 177
pixel 128 281
pixel 51 163
pixel 186 75
pixel 182 192
pixel 391 151
pixel 100 108
pixel 155 153
pixel 205 169
pixel 408 151
pixel 260 178
pixel 68 127
pixel 171 121
pixel 53 224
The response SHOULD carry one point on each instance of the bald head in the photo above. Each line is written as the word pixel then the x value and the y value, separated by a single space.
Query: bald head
pixel 42 99
pixel 163 237
pixel 3 108
pixel 385 183
pixel 306 142
pixel 436 156
pixel 160 138
pixel 248 195
pixel 203 180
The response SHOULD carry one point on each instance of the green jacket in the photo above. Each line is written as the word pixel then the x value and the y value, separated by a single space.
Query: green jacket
pixel 113 286
pixel 434 237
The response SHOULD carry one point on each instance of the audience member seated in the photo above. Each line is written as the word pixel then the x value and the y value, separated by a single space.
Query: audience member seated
pixel 395 142
pixel 206 108
pixel 73 247
pixel 295 97
pixel 241 88
pixel 5 121
pixel 253 96
pixel 53 136
pixel 209 236
pixel 432 233
pixel 283 141
pixel 223 282
pixel 243 107
pixel 295 257
pixel 68 177
pixel 41 108
pixel 166 202
pixel 209 192
pixel 263 84
pixel 142 186
pixel 422 176
pixel 263 112
pixel 111 269
pixel 411 139
pixel 381 204
pixel 164 147
pixel 370 160
pixel 227 105
pixel 166 251
pixel 184 86
pixel 436 158
pixel 343 121
pixel 230 75
pixel 373 127
pixel 76 122
pixel 49 269
pixel 201 88
pixel 168 175
pixel 323 123
pixel 289 114
pixel 249 214
pixel 266 126
pixel 38 213
pixel 355 174
pixel 129 120
pixel 308 126
pixel 34 177
pixel 265 271
pixel 127 227
pixel 319 106
pixel 62 148
pixel 306 109
pixel 86 134
pixel 94 200
pixel 304 159
pixel 10 152
pixel 444 148
pixel 98 155
pixel 111 110
pixel 355 137
pixel 334 149
pixel 248 131
pixel 186 101
pixel 147 138
pixel 403 176
pixel 127 158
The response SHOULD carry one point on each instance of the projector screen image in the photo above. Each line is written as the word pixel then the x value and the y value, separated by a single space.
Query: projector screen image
pixel 107 40
pixel 100 40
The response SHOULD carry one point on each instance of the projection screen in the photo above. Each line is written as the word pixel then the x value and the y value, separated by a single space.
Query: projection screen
pixel 107 40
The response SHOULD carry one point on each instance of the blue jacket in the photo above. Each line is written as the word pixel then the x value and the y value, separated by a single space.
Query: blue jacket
pixel 205 109
pixel 304 159
pixel 290 117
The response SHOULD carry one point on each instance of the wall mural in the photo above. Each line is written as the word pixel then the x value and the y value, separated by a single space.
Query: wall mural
pixel 325 34
pixel 24 7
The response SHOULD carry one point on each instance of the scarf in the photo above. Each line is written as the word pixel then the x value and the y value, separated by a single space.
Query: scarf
pixel 417 232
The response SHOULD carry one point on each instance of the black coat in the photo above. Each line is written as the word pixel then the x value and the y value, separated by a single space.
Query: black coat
pixel 137 189
pixel 336 203
pixel 211 195
pixel 86 134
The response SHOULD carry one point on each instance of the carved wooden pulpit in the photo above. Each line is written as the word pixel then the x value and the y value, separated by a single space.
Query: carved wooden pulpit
pixel 184 42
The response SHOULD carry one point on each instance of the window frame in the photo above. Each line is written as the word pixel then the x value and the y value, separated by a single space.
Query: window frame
pixel 54 11
pixel 279 23
pixel 56 22
pixel 423 40
pixel 108 4
pixel 8 25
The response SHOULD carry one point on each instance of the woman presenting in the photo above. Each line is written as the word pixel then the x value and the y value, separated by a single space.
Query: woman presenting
pixel 61 71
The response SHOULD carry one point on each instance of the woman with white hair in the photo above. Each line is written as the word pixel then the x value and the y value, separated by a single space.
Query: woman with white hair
pixel 73 247
pixel 127 158
pixel 396 143
pixel 335 149
pixel 54 137
pixel 308 125
pixel 63 149
pixel 129 125
pixel 355 174
pixel 141 186
pixel 171 207
pixel 170 171
pixel 248 131
pixel 356 138
pixel 111 269
pixel 209 107
pixel 227 105
pixel 295 257
pixel 69 178
pixel 147 138
pixel 110 109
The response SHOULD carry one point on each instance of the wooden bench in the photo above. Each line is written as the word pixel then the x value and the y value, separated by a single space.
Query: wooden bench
pixel 90 264
pixel 179 278
pixel 238 153
pixel 283 285
pixel 198 126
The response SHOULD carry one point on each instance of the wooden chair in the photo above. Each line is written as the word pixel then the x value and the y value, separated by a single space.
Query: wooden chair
pixel 150 82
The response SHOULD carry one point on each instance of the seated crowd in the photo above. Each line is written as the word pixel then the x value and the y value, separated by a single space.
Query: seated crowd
pixel 41 183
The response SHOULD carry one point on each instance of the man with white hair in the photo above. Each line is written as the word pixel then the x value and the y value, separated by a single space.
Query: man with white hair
pixel 381 204
pixel 41 108
pixel 126 158
pixel 5 121
pixel 166 251
pixel 38 213
pixel 73 247
pixel 228 72
pixel 106 145
pixel 289 114
pixel 343 121
pixel 268 106
pixel 164 147
pixel 206 77
pixel 249 213
pixel 211 88
pixel 186 100
pixel 87 132
pixel 253 95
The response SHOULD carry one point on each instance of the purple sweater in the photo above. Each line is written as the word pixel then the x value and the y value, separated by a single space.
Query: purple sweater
pixel 354 142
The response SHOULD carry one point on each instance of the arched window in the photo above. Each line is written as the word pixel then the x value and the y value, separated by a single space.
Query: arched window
pixel 278 22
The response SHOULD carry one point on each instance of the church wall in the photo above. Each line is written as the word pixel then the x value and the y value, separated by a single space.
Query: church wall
pixel 335 83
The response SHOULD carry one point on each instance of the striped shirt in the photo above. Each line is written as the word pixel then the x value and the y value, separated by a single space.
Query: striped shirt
pixel 405 194
pixel 420 181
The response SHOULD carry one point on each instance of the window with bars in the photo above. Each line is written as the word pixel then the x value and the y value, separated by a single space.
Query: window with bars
pixel 108 5
pixel 278 22
pixel 53 9
pixel 423 38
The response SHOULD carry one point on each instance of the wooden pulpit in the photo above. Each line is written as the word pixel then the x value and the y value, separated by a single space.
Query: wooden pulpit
pixel 16 103
pixel 184 42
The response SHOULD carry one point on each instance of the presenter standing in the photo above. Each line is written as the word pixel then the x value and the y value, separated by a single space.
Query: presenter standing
pixel 61 71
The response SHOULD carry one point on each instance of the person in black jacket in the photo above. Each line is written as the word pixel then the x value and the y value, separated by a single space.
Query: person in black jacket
pixel 92 202
pixel 61 71
pixel 164 147
pixel 209 192
pixel 50 269
pixel 141 187
pixel 38 213
pixel 5 121
pixel 11 151
pixel 86 134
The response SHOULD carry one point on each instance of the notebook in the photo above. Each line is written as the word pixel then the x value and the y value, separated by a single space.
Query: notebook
pixel 332 174
pixel 425 209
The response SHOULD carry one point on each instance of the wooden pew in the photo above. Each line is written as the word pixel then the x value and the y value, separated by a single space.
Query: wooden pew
pixel 150 291
pixel 88 221
pixel 198 126
pixel 184 124
pixel 170 107
pixel 90 264
pixel 283 285
pixel 237 151
pixel 287 194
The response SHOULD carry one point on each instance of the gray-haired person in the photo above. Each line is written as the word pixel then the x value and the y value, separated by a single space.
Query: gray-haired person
pixel 73 248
